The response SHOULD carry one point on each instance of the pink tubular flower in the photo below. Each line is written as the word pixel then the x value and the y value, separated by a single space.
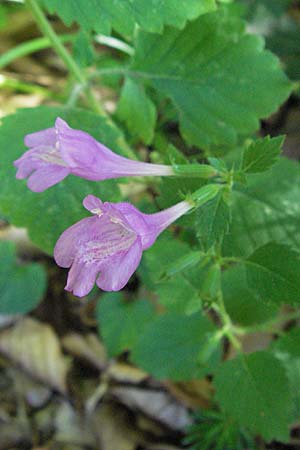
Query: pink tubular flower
pixel 107 248
pixel 56 152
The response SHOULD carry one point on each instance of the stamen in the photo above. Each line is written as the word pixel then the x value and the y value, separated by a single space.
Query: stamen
pixel 97 211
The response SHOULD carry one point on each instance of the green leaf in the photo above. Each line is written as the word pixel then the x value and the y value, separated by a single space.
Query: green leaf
pixel 221 80
pixel 83 50
pixel 151 15
pixel 212 221
pixel 137 110
pixel 268 209
pixel 120 322
pixel 21 286
pixel 254 390
pixel 242 304
pixel 171 346
pixel 157 259
pixel 47 214
pixel 262 154
pixel 273 273
pixel 178 295
pixel 286 348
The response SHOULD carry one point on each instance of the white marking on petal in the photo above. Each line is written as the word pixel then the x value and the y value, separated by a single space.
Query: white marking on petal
pixel 113 238
pixel 51 155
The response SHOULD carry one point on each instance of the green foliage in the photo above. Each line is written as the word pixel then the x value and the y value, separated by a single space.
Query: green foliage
pixel 266 210
pixel 221 80
pixel 215 430
pixel 120 322
pixel 47 214
pixel 121 15
pixel 22 286
pixel 286 348
pixel 212 221
pixel 254 390
pixel 273 273
pixel 262 154
pixel 137 110
pixel 244 305
pixel 83 50
pixel 177 347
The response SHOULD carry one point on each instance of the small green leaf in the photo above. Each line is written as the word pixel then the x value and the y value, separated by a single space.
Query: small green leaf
pixel 170 346
pixel 21 286
pixel 151 15
pixel 262 154
pixel 273 273
pixel 212 221
pixel 137 110
pixel 46 215
pixel 254 390
pixel 120 322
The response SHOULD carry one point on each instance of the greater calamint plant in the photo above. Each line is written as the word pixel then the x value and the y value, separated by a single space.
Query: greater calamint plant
pixel 193 84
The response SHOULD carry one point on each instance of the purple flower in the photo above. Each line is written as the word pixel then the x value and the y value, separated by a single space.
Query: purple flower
pixel 56 152
pixel 107 248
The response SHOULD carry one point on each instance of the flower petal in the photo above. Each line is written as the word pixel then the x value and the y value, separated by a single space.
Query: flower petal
pixel 81 278
pixel 47 176
pixel 117 271
pixel 67 245
pixel 136 220
pixel 44 137
pixel 92 203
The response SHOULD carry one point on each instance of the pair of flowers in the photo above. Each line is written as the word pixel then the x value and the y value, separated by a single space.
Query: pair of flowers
pixel 107 247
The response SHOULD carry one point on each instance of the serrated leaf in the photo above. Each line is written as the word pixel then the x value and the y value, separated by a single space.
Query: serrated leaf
pixel 208 70
pixel 254 390
pixel 21 286
pixel 273 273
pixel 35 347
pixel 137 110
pixel 212 221
pixel 262 154
pixel 170 346
pixel 47 214
pixel 151 15
pixel 120 323
pixel 268 209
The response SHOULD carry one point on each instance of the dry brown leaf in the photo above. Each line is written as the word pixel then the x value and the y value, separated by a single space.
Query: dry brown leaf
pixel 72 428
pixel 193 394
pixel 87 347
pixel 35 347
pixel 114 428
pixel 161 406
pixel 124 373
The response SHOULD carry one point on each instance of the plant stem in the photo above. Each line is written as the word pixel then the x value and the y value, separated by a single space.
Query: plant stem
pixel 272 324
pixel 71 64
pixel 26 48
pixel 228 327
